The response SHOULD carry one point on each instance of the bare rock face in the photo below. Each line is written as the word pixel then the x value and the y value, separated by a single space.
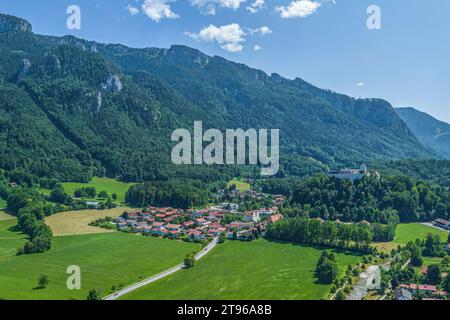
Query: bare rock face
pixel 14 24
pixel 113 84
pixel 25 69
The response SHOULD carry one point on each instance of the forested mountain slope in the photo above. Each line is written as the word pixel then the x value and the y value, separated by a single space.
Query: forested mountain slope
pixel 429 131
pixel 72 108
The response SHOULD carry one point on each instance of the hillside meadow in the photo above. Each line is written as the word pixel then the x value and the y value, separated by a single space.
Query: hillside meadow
pixel 105 260
pixel 77 222
pixel 247 270
pixel 407 232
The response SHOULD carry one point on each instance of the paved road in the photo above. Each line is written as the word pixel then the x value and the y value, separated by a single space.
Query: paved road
pixel 201 254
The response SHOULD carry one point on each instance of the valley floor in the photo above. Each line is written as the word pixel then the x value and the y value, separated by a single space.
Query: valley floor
pixel 247 270
pixel 105 260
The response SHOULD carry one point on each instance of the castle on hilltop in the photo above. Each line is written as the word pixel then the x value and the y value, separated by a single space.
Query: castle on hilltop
pixel 351 174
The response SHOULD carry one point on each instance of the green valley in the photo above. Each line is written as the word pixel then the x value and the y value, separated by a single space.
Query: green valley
pixel 106 260
pixel 256 270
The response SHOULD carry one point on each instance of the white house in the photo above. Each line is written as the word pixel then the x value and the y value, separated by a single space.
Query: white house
pixel 351 174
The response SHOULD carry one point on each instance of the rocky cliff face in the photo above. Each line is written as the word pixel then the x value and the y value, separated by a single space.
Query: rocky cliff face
pixel 13 24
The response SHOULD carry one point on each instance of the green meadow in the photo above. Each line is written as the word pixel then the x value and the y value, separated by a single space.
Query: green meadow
pixel 2 203
pixel 101 184
pixel 10 238
pixel 247 270
pixel 411 231
pixel 240 185
pixel 105 260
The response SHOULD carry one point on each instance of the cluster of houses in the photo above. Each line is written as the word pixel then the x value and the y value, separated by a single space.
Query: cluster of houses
pixel 198 225
pixel 408 291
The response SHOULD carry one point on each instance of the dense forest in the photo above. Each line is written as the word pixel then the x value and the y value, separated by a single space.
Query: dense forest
pixel 372 199
pixel 176 193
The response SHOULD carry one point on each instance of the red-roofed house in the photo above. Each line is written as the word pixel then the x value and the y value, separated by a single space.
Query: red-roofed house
pixel 196 234
pixel 174 227
pixel 274 218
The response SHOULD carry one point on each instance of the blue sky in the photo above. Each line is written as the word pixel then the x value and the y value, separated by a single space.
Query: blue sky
pixel 325 42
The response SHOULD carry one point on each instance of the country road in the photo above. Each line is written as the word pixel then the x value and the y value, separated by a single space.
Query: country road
pixel 116 295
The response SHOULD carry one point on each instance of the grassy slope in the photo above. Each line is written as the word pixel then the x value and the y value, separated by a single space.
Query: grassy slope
pixel 411 231
pixel 5 216
pixel 105 260
pixel 10 239
pixel 2 203
pixel 255 270
pixel 77 222
pixel 240 185
pixel 101 184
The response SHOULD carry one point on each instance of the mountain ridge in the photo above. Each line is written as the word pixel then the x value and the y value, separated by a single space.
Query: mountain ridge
pixel 116 107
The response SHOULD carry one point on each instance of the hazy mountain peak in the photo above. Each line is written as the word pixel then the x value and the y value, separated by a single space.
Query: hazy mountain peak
pixel 431 132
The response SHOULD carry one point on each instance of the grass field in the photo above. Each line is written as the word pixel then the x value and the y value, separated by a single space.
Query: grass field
pixel 105 260
pixel 5 216
pixel 2 203
pixel 410 232
pixel 77 222
pixel 250 270
pixel 101 184
pixel 240 185
pixel 10 239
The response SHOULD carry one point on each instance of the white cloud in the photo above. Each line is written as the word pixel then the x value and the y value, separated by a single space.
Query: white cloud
pixel 361 84
pixel 229 37
pixel 256 6
pixel 158 9
pixel 265 30
pixel 132 10
pixel 298 9
pixel 257 48
pixel 209 6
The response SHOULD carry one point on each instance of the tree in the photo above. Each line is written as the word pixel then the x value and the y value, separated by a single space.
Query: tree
pixel 327 272
pixel 189 261
pixel 446 283
pixel 103 194
pixel 432 245
pixel 322 259
pixel 91 192
pixel 434 274
pixel 58 195
pixel 93 295
pixel 340 295
pixel 43 281
pixel 114 196
pixel 416 256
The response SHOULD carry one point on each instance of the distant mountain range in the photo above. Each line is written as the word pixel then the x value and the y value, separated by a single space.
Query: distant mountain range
pixel 71 108
pixel 430 131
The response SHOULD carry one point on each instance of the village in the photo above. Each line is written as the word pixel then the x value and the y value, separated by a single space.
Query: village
pixel 222 220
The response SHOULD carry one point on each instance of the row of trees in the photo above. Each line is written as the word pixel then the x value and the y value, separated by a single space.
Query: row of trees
pixel 355 237
pixel 30 209
pixel 179 194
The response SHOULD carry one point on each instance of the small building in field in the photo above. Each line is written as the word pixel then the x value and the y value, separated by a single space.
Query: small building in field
pixel 441 223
